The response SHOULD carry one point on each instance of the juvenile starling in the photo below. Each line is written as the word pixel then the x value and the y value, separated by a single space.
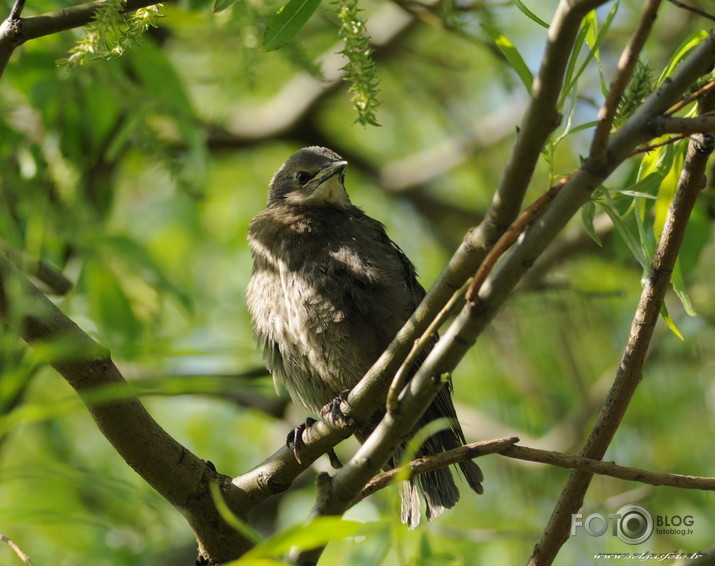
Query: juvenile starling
pixel 328 293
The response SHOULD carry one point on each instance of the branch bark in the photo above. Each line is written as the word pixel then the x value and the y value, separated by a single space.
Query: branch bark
pixel 172 470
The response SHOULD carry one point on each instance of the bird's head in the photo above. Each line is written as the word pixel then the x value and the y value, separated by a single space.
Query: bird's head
pixel 311 176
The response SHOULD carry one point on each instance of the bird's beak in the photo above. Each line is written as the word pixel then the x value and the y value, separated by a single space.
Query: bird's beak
pixel 334 168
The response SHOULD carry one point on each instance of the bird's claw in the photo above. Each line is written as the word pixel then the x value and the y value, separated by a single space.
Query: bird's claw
pixel 295 439
pixel 333 413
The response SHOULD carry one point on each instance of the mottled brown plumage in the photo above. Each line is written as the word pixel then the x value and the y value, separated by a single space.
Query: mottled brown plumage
pixel 328 293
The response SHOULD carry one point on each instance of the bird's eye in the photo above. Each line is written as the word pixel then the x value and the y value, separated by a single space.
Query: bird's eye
pixel 302 177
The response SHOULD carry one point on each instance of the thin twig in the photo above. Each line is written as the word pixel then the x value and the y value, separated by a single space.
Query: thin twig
pixel 418 348
pixel 608 468
pixel 647 148
pixel 441 460
pixel 692 9
pixel 24 557
pixel 509 237
pixel 17 9
pixel 15 32
pixel 507 447
pixel 688 99
pixel 626 65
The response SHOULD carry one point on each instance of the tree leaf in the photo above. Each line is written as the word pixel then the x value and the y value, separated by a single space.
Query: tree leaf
pixel 135 255
pixel 631 240
pixel 287 22
pixel 588 211
pixel 669 322
pixel 529 14
pixel 683 49
pixel 320 531
pixel 221 5
pixel 512 55
pixel 678 283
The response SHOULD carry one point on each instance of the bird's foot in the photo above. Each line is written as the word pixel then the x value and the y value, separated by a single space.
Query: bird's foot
pixel 333 413
pixel 295 440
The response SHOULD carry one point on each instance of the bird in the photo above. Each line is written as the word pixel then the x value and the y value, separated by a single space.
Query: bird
pixel 328 292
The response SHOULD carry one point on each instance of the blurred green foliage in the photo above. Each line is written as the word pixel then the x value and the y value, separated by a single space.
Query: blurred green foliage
pixel 137 177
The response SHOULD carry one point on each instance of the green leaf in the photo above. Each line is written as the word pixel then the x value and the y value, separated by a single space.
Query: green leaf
pixel 588 211
pixel 631 239
pixel 678 283
pixel 669 322
pixel 110 306
pixel 221 5
pixel 140 260
pixel 287 22
pixel 689 43
pixel 587 29
pixel 231 518
pixel 529 14
pixel 512 55
pixel 317 533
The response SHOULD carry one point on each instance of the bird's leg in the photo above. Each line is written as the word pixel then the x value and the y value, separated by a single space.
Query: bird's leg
pixel 333 413
pixel 295 438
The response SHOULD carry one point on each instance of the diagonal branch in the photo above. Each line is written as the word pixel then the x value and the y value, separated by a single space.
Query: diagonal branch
pixel 626 65
pixel 24 557
pixel 17 9
pixel 123 420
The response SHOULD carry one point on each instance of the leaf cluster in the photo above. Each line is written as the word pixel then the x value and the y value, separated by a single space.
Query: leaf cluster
pixel 113 32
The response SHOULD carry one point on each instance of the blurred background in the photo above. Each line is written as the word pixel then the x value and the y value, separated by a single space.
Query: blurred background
pixel 137 177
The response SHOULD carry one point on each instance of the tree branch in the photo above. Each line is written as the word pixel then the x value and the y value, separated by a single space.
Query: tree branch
pixel 441 460
pixel 123 420
pixel 17 9
pixel 346 483
pixel 592 466
pixel 54 279
pixel 626 65
pixel 630 370
pixel 507 447
pixel 24 557
pixel 692 9
pixel 677 125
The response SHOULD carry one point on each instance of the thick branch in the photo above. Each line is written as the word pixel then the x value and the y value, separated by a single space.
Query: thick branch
pixel 176 473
